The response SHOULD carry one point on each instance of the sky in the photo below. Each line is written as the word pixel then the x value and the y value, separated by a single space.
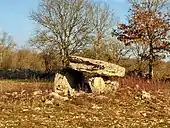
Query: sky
pixel 14 17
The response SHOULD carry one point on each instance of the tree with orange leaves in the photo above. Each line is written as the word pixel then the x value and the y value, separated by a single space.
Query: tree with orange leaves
pixel 149 24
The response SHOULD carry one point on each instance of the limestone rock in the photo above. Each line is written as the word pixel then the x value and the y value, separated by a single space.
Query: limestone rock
pixel 115 85
pixel 61 85
pixel 57 96
pixel 49 102
pixel 145 95
pixel 112 86
pixel 98 67
pixel 73 77
pixel 96 107
pixel 101 97
pixel 38 92
pixel 76 79
pixel 98 84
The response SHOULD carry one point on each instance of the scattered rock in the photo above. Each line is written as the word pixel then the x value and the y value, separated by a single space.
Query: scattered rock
pixel 101 97
pixel 22 92
pixel 37 109
pixel 14 94
pixel 96 107
pixel 57 96
pixel 137 86
pixel 145 95
pixel 115 85
pixel 49 102
pixel 38 92
pixel 108 82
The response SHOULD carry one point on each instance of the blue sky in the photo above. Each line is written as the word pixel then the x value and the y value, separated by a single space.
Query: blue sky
pixel 14 16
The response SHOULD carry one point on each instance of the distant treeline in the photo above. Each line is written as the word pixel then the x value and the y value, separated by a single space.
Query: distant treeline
pixel 27 63
pixel 30 63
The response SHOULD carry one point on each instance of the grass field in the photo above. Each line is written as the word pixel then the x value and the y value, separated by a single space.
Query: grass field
pixel 26 104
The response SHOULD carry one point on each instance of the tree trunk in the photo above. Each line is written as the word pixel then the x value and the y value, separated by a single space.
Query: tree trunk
pixel 47 65
pixel 150 60
pixel 65 58
pixel 150 70
pixel 47 62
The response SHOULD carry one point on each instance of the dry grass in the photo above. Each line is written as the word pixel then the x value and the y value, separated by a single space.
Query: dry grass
pixel 21 105
pixel 20 85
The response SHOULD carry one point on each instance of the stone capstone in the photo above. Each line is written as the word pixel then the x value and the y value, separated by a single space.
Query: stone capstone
pixel 96 67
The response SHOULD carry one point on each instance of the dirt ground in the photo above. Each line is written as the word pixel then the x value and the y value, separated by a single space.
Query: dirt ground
pixel 28 105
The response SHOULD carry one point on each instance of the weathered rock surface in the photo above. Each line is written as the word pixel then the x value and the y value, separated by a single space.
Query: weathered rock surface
pixel 72 79
pixel 99 67
pixel 76 79
pixel 61 85
pixel 58 97
pixel 145 95
pixel 98 84
pixel 112 86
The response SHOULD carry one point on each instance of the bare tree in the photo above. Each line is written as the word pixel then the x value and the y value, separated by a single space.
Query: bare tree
pixel 65 26
pixel 103 21
pixel 7 46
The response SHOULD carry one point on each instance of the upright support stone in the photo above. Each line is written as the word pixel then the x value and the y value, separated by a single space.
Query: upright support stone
pixel 61 85
pixel 98 84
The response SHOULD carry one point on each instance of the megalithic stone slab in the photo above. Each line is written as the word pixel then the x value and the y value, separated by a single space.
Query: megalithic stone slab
pixel 99 67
